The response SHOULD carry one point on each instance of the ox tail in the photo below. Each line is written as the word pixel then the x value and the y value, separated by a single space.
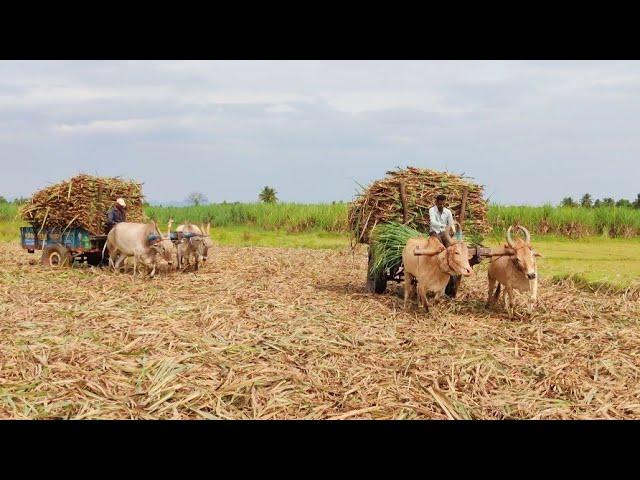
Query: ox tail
pixel 103 249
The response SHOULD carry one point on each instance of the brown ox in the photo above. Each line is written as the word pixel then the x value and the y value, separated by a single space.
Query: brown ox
pixel 517 270
pixel 433 268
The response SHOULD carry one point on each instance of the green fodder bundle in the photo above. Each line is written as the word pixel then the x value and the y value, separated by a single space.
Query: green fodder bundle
pixel 387 243
pixel 381 202
pixel 82 201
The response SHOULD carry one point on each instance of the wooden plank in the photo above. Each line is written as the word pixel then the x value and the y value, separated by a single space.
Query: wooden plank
pixel 463 207
pixel 403 199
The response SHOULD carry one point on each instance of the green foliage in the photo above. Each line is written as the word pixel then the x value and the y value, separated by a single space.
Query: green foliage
pixel 292 217
pixel 586 201
pixel 568 202
pixel 387 243
pixel 567 221
pixel 268 195
pixel 8 211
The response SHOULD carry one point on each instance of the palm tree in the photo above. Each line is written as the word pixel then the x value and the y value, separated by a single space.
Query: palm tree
pixel 268 195
pixel 608 202
pixel 568 202
pixel 586 201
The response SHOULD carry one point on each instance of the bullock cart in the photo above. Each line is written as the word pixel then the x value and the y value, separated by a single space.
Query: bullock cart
pixel 76 245
pixel 404 197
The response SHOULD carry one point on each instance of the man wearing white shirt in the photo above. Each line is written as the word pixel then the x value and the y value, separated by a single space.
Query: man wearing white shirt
pixel 440 221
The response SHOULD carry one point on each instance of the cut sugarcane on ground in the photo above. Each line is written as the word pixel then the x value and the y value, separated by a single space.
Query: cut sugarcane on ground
pixel 82 201
pixel 381 201
pixel 291 333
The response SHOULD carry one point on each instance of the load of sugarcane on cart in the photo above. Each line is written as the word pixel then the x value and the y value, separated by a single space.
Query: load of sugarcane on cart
pixel 68 220
pixel 392 210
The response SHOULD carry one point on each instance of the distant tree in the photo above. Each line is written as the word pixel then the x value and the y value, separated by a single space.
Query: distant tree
pixel 568 202
pixel 268 195
pixel 597 203
pixel 636 202
pixel 608 202
pixel 623 202
pixel 3 200
pixel 196 198
pixel 586 201
pixel 20 200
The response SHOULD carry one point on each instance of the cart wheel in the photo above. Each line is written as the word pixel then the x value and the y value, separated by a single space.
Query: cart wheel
pixel 55 256
pixel 375 283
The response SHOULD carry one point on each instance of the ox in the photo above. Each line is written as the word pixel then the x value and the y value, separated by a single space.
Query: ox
pixel 131 239
pixel 516 270
pixel 192 246
pixel 433 267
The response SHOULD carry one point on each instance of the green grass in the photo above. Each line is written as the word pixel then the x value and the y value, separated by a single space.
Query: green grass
pixel 293 217
pixel 570 221
pixel 256 237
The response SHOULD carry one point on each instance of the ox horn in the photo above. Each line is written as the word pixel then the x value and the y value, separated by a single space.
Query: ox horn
pixel 527 235
pixel 509 239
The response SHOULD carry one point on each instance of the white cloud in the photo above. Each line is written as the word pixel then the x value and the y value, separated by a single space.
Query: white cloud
pixel 279 119
pixel 109 126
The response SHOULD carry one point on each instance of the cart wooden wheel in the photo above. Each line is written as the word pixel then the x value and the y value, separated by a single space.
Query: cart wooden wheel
pixel 375 283
pixel 55 256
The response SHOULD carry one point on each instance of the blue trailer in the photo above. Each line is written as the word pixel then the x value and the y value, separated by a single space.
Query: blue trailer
pixel 60 248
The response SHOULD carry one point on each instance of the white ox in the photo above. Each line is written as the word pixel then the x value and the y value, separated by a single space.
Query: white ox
pixel 133 240
pixel 196 246
pixel 517 270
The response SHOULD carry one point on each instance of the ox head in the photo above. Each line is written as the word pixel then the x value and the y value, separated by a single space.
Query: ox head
pixel 206 243
pixel 161 245
pixel 458 259
pixel 524 256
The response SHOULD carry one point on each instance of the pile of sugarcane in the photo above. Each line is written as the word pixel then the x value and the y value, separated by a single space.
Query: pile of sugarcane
pixel 382 202
pixel 82 201
pixel 387 244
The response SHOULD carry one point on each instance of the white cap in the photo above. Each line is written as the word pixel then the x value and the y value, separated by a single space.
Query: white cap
pixel 120 202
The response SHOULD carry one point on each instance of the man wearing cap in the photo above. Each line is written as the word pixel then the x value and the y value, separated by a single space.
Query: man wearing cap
pixel 440 221
pixel 116 214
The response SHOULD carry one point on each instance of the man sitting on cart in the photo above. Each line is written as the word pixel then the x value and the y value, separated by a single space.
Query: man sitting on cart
pixel 440 221
pixel 116 214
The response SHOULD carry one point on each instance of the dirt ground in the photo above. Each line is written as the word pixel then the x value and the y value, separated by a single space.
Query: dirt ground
pixel 293 334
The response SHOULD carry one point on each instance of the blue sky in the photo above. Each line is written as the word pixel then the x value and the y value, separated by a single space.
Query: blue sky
pixel 530 131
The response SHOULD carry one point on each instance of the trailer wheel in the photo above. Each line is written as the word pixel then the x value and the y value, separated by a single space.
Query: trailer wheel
pixel 375 283
pixel 56 256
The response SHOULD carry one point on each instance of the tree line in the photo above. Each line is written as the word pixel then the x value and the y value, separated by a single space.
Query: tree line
pixel 15 201
pixel 587 201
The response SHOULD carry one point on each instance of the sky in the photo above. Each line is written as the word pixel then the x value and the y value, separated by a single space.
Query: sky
pixel 530 131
